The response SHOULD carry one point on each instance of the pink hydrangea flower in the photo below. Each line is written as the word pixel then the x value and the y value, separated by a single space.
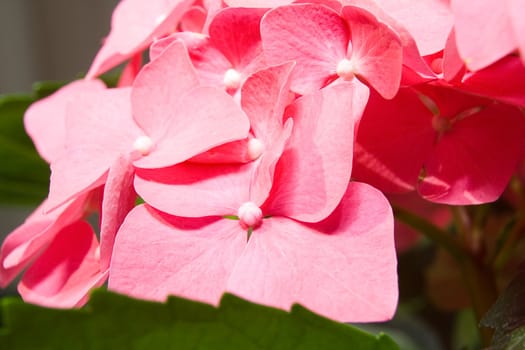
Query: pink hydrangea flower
pixel 453 153
pixel 327 45
pixel 62 253
pixel 293 205
pixel 148 123
pixel 231 51
pixel 342 267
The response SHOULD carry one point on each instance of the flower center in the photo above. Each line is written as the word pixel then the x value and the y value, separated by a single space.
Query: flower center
pixel 250 215
pixel 441 124
pixel 255 148
pixel 143 145
pixel 232 79
pixel 345 69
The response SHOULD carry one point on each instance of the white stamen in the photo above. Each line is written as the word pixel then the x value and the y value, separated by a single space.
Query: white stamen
pixel 232 79
pixel 250 215
pixel 143 144
pixel 255 148
pixel 345 69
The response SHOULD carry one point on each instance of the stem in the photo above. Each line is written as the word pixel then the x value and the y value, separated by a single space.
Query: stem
pixel 483 293
pixel 428 229
pixel 510 241
pixel 478 279
pixel 461 219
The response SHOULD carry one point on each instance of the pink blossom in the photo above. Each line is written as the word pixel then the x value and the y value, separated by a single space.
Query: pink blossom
pixel 428 21
pixel 294 201
pixel 328 117
pixel 328 46
pixel 453 152
pixel 231 51
pixel 148 123
pixel 342 267
pixel 134 25
pixel 61 251
pixel 66 271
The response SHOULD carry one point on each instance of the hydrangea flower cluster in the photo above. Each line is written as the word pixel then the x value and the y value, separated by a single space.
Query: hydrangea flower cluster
pixel 259 139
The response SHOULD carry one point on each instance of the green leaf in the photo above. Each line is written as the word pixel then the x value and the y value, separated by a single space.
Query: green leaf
pixel 507 316
pixel 112 321
pixel 24 176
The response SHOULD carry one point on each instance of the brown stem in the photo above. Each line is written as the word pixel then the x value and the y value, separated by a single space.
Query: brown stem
pixel 482 291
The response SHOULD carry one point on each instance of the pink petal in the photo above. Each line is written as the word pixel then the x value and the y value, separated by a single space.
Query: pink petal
pixel 376 51
pixel 159 86
pixel 472 163
pixel 416 70
pixel 156 255
pixel 44 120
pixel 196 190
pixel 130 71
pixel 28 240
pixel 235 32
pixel 429 21
pixel 313 36
pixel 133 26
pixel 263 176
pixel 484 32
pixel 209 62
pixel 203 118
pixel 509 70
pixel 257 3
pixel 231 152
pixel 453 65
pixel 193 20
pixel 394 138
pixel 63 275
pixel 119 198
pixel 451 102
pixel 516 8
pixel 343 267
pixel 264 96
pixel 100 128
pixel 313 172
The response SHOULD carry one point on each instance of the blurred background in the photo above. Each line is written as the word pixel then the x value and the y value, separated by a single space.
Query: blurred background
pixel 49 40
pixel 46 40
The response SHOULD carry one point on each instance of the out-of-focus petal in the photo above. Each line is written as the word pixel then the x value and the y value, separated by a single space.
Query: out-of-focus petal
pixel 472 163
pixel 67 270
pixel 100 128
pixel 45 120
pixel 133 26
